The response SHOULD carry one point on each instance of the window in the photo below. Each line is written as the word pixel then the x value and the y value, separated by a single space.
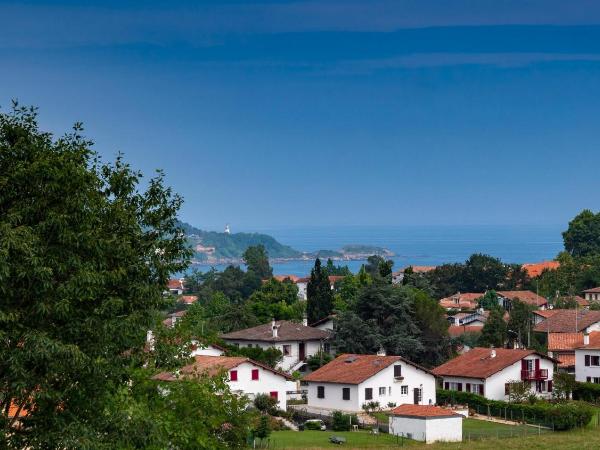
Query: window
pixel 274 394
pixel 233 375
pixel 320 391
pixel 454 386
pixel 249 345
pixel 403 390
pixel 595 361
pixel 368 393
pixel 327 347
pixel 345 393
pixel 418 395
pixel 540 386
pixel 255 374
pixel 506 388
pixel 382 391
pixel 587 360
pixel 595 380
pixel 397 370
pixel 287 350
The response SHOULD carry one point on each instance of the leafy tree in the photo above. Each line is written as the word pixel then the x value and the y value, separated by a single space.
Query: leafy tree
pixel 518 391
pixel 278 300
pixel 517 278
pixel 332 269
pixel 566 302
pixel 263 430
pixel 563 385
pixel 582 237
pixel 431 320
pixel 319 294
pixel 265 403
pixel 446 279
pixel 520 322
pixel 269 356
pixel 489 300
pixel 483 272
pixel 379 268
pixel 346 290
pixel 257 260
pixel 354 335
pixel 318 360
pixel 495 330
pixel 85 257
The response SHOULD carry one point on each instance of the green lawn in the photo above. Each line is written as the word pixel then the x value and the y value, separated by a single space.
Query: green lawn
pixel 320 439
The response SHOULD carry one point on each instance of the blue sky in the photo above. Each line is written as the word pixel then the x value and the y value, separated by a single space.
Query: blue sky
pixel 280 113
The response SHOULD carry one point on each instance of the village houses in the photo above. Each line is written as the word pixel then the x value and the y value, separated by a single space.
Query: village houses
pixel 350 381
pixel 587 359
pixel 489 372
pixel 296 341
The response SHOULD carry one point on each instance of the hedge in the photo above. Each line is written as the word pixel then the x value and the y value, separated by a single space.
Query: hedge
pixel 589 392
pixel 561 416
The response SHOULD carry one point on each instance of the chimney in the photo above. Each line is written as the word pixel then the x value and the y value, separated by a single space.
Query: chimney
pixel 381 351
pixel 586 339
pixel 305 320
pixel 275 328
pixel 492 352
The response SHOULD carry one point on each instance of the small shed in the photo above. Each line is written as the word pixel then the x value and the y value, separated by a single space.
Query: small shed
pixel 426 423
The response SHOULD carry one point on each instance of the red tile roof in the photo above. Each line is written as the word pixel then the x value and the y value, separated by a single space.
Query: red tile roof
pixel 288 331
pixel 188 299
pixel 175 284
pixel 594 341
pixel 13 408
pixel 213 365
pixel 528 297
pixel 566 359
pixel 419 269
pixel 564 341
pixel 458 330
pixel 568 321
pixel 335 278
pixel 424 411
pixel 536 269
pixel 292 278
pixel 478 362
pixel 545 313
pixel 466 300
pixel 354 369
pixel 595 290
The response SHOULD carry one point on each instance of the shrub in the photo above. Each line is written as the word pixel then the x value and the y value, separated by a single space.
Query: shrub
pixel 312 426
pixel 589 392
pixel 561 416
pixel 265 404
pixel 342 422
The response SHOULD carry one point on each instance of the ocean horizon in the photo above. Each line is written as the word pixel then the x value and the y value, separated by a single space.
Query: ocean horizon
pixel 420 245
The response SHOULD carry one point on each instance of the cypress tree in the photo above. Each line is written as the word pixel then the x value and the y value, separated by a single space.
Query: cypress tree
pixel 320 296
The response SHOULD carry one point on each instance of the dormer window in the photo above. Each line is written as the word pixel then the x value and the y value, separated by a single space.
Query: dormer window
pixel 397 371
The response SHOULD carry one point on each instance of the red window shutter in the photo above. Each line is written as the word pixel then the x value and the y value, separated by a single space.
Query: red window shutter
pixel 481 389
pixel 523 364
pixel 447 386
pixel 537 364
pixel 459 387
pixel 255 374
pixel 233 375
pixel 549 385
pixel 468 387
pixel 273 394
pixel 587 360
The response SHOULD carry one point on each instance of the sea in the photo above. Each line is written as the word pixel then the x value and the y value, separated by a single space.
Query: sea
pixel 420 245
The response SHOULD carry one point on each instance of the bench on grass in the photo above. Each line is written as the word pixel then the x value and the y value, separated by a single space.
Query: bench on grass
pixel 337 440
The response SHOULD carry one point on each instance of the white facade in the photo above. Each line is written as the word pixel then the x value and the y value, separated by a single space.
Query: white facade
pixel 291 350
pixel 326 325
pixel 206 350
pixel 268 382
pixel 384 388
pixel 587 370
pixel 494 386
pixel 427 429
pixel 302 286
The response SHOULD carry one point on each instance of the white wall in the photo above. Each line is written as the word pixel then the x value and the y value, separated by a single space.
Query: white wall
pixel 413 378
pixel 326 326
pixel 302 290
pixel 266 383
pixel 494 385
pixel 208 350
pixel 445 429
pixel 581 371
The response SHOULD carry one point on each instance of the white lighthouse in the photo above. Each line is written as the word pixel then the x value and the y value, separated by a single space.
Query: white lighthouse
pixel 227 230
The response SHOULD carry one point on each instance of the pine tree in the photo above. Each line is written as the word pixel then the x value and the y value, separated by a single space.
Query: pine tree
pixel 320 296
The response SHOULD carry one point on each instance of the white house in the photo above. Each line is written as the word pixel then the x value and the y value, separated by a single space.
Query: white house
pixel 592 295
pixel 587 359
pixel 426 423
pixel 175 286
pixel 325 323
pixel 200 349
pixel 296 341
pixel 488 372
pixel 350 380
pixel 244 376
pixel 474 319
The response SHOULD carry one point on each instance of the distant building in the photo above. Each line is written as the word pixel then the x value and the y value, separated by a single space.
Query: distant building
pixel 476 318
pixel 398 276
pixel 325 323
pixel 296 341
pixel 534 270
pixel 175 286
pixel 462 300
pixel 244 376
pixel 505 299
pixel 592 295
pixel 350 381
pixel 426 423
pixel 489 372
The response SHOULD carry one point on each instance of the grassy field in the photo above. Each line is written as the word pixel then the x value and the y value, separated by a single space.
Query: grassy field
pixel 320 439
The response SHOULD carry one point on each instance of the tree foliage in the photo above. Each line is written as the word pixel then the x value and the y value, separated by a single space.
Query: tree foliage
pixel 495 330
pixel 85 257
pixel 582 237
pixel 319 294
pixel 257 260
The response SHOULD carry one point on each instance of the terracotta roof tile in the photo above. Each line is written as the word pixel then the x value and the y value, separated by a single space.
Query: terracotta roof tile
pixel 528 297
pixel 354 369
pixel 478 363
pixel 13 408
pixel 466 300
pixel 292 278
pixel 594 341
pixel 458 330
pixel 545 313
pixel 536 269
pixel 409 410
pixel 566 359
pixel 564 341
pixel 288 331
pixel 568 321
pixel 188 299
pixel 175 284
pixel 595 290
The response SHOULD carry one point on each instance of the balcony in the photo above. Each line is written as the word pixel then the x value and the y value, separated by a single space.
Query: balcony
pixel 529 375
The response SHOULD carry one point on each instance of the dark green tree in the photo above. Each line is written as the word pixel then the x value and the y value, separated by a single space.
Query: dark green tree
pixel 483 272
pixel 379 268
pixel 276 300
pixel 489 300
pixel 85 255
pixel 319 294
pixel 495 330
pixel 332 269
pixel 521 322
pixel 257 260
pixel 430 318
pixel 582 237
